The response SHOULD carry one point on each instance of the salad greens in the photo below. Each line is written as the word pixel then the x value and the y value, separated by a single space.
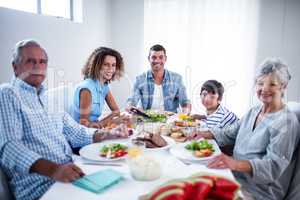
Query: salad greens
pixel 113 150
pixel 155 117
pixel 199 145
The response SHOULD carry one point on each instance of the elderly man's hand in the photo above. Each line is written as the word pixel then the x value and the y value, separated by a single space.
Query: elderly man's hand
pixel 67 173
pixel 120 131
pixel 59 172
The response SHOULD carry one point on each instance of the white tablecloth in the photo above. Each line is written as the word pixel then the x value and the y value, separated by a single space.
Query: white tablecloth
pixel 128 188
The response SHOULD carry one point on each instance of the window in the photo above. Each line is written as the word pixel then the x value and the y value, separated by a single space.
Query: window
pixel 204 40
pixel 60 8
pixel 69 9
pixel 24 5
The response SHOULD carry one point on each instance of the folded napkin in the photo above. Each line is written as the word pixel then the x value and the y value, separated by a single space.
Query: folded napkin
pixel 99 181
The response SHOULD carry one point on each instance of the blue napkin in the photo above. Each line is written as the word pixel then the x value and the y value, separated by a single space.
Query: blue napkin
pixel 99 181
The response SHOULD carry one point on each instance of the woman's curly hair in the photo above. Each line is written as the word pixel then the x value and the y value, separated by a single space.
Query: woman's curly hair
pixel 94 63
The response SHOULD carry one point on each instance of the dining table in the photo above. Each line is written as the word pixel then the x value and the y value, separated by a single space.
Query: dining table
pixel 129 188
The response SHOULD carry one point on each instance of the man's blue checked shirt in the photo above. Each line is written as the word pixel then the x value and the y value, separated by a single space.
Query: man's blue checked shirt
pixel 174 92
pixel 28 132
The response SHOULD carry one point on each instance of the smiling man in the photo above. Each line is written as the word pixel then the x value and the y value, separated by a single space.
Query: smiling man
pixel 159 88
pixel 34 142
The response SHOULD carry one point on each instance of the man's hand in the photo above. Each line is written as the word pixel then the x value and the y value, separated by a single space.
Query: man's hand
pixel 100 135
pixel 200 134
pixel 186 108
pixel 120 131
pixel 67 173
pixel 59 172
pixel 128 108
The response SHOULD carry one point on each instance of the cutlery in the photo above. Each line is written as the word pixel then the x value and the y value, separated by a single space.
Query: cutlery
pixel 102 163
pixel 140 113
pixel 185 162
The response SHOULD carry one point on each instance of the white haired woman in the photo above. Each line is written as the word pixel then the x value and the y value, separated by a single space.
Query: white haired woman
pixel 264 139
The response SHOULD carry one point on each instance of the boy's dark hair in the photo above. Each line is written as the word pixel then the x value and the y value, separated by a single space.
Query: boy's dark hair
pixel 158 47
pixel 214 87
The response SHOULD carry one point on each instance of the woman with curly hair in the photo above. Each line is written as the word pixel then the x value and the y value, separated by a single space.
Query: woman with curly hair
pixel 103 66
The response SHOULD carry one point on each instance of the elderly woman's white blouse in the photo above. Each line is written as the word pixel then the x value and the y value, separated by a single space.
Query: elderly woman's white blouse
pixel 269 148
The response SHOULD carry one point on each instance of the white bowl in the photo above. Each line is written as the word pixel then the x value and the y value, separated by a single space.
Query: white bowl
pixel 145 167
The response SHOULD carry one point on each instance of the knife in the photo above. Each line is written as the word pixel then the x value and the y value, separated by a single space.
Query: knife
pixel 138 112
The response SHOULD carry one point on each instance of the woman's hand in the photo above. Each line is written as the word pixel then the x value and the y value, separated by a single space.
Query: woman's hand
pixel 223 161
pixel 108 119
pixel 87 123
pixel 122 119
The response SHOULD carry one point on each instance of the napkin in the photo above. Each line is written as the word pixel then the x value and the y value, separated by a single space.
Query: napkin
pixel 99 181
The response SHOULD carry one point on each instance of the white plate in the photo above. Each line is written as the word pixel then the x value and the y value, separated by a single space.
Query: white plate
pixel 181 152
pixel 92 151
pixel 170 143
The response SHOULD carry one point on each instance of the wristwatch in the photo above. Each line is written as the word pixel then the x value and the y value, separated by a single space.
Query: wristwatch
pixel 100 135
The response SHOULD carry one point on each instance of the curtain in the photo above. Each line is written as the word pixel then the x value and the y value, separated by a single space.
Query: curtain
pixel 207 39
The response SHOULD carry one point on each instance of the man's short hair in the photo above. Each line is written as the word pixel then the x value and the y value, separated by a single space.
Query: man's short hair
pixel 158 47
pixel 17 55
pixel 214 87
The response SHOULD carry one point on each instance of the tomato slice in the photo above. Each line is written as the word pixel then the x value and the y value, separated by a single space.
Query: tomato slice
pixel 119 153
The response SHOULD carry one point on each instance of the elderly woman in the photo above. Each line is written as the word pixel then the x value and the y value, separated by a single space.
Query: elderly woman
pixel 103 66
pixel 265 138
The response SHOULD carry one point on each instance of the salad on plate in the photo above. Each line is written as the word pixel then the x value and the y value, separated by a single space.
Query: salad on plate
pixel 114 150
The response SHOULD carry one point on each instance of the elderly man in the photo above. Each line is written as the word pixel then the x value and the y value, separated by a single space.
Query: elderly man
pixel 159 88
pixel 34 143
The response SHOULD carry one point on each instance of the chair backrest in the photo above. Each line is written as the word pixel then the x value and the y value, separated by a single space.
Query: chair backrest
pixel 294 188
pixel 60 99
pixel 295 107
pixel 5 193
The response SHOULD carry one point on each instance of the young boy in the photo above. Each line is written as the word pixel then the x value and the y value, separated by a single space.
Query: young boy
pixel 211 96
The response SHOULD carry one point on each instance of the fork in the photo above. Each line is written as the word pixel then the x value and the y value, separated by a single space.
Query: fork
pixel 102 163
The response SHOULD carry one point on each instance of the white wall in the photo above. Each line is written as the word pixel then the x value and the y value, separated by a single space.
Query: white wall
pixel 127 35
pixel 68 44
pixel 119 24
pixel 279 32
